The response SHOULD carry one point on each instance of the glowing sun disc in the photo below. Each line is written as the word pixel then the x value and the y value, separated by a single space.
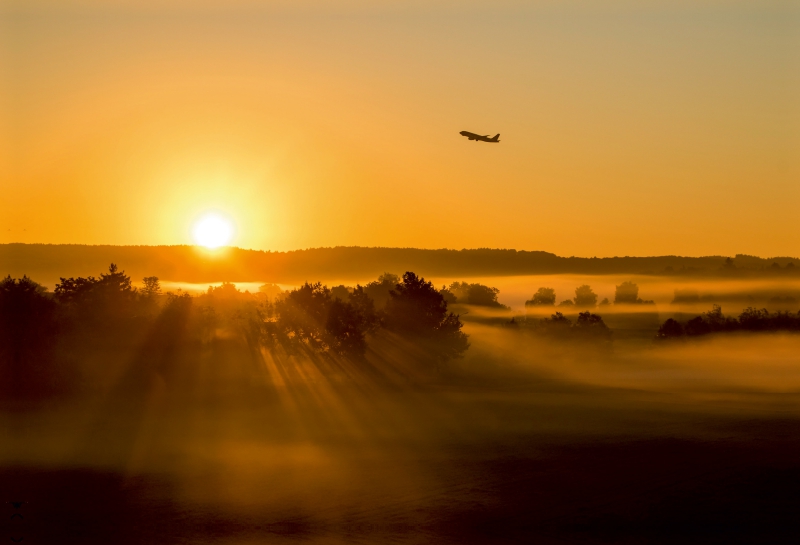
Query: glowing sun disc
pixel 212 231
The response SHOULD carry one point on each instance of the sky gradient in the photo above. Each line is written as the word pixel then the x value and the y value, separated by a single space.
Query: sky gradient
pixel 668 128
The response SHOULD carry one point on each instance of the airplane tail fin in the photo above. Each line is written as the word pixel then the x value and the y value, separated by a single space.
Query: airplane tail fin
pixel 496 138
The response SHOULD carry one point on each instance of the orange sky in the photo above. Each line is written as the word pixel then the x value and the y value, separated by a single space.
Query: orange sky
pixel 626 130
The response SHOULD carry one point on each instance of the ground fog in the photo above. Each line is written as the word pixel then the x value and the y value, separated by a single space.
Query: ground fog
pixel 188 429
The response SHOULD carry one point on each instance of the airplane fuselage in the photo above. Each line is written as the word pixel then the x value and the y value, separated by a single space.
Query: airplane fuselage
pixel 481 137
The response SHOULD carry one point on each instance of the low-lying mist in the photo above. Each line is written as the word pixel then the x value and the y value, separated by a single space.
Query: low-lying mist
pixel 282 415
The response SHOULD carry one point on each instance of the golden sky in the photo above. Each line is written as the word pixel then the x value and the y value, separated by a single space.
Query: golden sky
pixel 626 128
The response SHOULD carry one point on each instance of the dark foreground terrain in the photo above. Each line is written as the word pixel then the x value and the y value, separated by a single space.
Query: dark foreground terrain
pixel 221 444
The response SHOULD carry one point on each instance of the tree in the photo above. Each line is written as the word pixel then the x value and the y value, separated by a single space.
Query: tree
pixel 366 308
pixel 475 294
pixel 591 327
pixel 460 290
pixel 752 319
pixel 302 315
pixel 345 329
pixel 715 318
pixel 627 293
pixel 270 291
pixel 449 297
pixel 485 296
pixel 697 326
pixel 670 329
pixel 379 290
pixel 416 310
pixel 585 297
pixel 557 326
pixel 28 332
pixel 309 315
pixel 151 287
pixel 114 284
pixel 542 297
pixel 27 318
pixel 341 291
pixel 99 301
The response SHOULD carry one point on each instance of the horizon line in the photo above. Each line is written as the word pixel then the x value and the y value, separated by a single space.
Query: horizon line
pixel 223 248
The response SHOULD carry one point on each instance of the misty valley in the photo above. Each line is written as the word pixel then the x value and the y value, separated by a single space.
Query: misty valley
pixel 316 272
pixel 400 410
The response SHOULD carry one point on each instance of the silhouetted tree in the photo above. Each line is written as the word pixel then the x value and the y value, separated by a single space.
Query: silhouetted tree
pixel 557 326
pixel 379 290
pixel 416 310
pixel 151 287
pixel 709 322
pixel 270 291
pixel 751 319
pixel 365 306
pixel 591 327
pixel 486 296
pixel 588 328
pixel 302 315
pixel 310 316
pixel 340 292
pixel 345 329
pixel 670 329
pixel 99 303
pixel 716 319
pixel 542 297
pixel 28 332
pixel 460 290
pixel 475 294
pixel 449 297
pixel 585 297
pixel 697 326
pixel 566 303
pixel 626 293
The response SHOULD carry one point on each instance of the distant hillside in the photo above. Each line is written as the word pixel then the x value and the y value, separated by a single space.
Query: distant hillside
pixel 45 263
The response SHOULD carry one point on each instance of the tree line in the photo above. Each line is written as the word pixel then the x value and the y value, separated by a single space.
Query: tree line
pixel 108 311
pixel 339 320
pixel 626 293
pixel 714 321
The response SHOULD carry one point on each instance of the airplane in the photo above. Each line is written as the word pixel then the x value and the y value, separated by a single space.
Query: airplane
pixel 484 138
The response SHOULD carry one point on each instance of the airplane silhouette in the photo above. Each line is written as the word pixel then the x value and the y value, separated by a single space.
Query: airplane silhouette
pixel 482 138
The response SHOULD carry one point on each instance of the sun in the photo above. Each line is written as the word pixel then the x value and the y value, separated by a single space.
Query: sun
pixel 212 231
